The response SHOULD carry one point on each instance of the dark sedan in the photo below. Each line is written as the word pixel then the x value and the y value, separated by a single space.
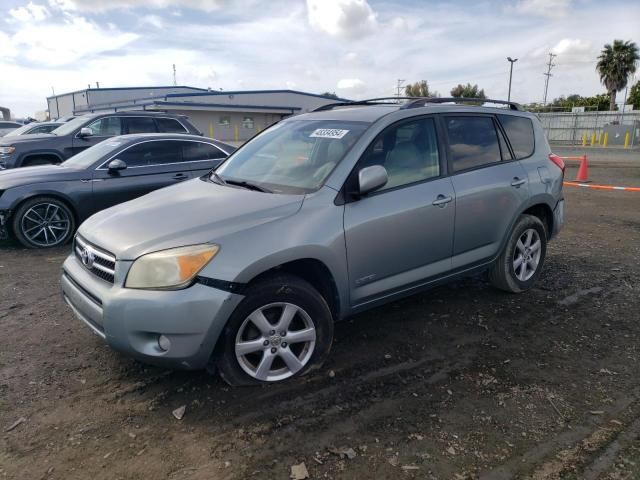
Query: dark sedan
pixel 42 206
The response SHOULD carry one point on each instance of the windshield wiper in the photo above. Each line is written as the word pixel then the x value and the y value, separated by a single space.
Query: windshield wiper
pixel 248 185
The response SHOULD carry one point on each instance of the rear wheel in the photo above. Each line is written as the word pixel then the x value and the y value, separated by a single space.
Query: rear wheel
pixel 520 264
pixel 281 330
pixel 43 222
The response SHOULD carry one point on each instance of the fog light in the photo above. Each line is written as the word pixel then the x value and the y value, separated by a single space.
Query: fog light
pixel 164 343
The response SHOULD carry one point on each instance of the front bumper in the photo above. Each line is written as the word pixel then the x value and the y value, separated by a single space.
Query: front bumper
pixel 4 224
pixel 131 321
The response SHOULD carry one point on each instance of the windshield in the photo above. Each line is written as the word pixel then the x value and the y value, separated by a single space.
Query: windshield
pixel 19 131
pixel 70 126
pixel 88 157
pixel 295 156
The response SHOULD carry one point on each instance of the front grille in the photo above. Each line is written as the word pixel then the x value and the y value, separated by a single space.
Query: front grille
pixel 99 262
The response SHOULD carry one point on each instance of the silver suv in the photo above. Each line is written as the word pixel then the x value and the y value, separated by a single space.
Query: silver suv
pixel 318 217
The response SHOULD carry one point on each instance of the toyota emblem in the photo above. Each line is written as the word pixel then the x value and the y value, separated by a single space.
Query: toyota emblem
pixel 87 257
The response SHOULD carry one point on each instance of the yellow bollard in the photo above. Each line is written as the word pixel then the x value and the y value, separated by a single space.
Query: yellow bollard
pixel 584 139
pixel 600 138
pixel 210 130
pixel 235 133
pixel 606 139
pixel 593 139
pixel 627 139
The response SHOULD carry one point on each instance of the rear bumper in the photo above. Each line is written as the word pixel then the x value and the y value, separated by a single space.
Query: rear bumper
pixel 131 321
pixel 558 218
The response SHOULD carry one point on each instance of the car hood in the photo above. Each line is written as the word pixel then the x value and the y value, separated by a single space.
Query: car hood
pixel 26 138
pixel 16 177
pixel 196 211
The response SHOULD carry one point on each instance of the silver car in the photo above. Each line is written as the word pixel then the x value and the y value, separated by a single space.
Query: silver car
pixel 318 217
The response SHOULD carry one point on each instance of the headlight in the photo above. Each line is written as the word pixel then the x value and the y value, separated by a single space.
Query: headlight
pixel 170 269
pixel 7 150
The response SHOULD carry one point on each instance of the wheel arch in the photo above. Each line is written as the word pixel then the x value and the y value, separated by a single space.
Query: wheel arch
pixel 314 271
pixel 40 153
pixel 57 195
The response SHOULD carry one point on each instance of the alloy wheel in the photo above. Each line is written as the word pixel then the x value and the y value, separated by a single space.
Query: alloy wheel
pixel 275 341
pixel 45 224
pixel 526 256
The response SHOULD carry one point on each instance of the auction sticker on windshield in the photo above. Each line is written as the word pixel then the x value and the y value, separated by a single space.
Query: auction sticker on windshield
pixel 329 133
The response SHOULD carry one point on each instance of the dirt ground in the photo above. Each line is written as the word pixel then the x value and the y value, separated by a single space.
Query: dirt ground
pixel 459 382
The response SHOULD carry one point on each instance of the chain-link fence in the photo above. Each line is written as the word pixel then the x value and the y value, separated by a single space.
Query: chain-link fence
pixel 576 128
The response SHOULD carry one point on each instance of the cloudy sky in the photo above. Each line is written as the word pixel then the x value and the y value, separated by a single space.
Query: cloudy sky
pixel 357 48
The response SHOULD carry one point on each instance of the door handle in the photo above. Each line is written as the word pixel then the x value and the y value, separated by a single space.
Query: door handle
pixel 518 182
pixel 441 201
pixel 180 176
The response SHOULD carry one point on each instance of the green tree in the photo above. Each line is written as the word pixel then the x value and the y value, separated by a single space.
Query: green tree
pixel 600 102
pixel 467 91
pixel 419 89
pixel 615 63
pixel 634 96
pixel 330 95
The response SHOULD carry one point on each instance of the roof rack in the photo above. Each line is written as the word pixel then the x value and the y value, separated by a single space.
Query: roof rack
pixel 421 102
pixel 415 102
pixel 369 101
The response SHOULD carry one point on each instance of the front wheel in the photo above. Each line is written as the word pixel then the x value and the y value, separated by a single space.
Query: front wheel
pixel 520 263
pixel 43 222
pixel 280 330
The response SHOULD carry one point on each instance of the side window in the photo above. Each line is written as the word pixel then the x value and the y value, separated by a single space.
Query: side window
pixel 473 142
pixel 520 133
pixel 139 124
pixel 194 151
pixel 408 151
pixel 169 125
pixel 107 126
pixel 152 153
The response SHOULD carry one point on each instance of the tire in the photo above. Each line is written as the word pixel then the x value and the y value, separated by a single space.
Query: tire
pixel 43 222
pixel 511 271
pixel 37 161
pixel 266 346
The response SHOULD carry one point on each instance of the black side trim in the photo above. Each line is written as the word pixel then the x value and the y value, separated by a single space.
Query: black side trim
pixel 232 287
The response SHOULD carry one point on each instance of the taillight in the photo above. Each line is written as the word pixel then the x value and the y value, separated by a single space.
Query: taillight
pixel 558 161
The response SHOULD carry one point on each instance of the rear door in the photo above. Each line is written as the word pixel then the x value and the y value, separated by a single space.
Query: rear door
pixel 200 157
pixel 403 233
pixel 150 165
pixel 138 125
pixel 490 186
pixel 101 129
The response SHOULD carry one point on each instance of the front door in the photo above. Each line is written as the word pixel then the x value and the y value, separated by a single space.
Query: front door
pixel 401 234
pixel 101 129
pixel 150 165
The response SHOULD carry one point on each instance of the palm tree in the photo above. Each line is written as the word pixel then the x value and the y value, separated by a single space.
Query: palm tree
pixel 615 63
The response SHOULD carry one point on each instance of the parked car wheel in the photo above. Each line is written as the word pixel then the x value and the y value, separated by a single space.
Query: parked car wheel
pixel 282 329
pixel 43 222
pixel 520 264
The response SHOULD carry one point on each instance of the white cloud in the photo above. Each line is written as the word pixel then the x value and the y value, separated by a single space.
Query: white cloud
pixel 544 8
pixel 400 24
pixel 102 5
pixel 153 20
pixel 572 47
pixel 58 44
pixel 352 86
pixel 347 18
pixel 291 85
pixel 31 12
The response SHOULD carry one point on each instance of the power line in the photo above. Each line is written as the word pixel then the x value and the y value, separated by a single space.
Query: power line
pixel 550 65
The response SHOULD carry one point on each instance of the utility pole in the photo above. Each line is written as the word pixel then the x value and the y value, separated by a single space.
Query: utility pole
pixel 550 65
pixel 174 75
pixel 399 85
pixel 511 61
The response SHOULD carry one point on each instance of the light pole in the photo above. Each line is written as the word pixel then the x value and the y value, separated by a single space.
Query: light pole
pixel 511 61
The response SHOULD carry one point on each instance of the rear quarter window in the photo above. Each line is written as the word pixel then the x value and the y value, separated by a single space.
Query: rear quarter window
pixel 519 130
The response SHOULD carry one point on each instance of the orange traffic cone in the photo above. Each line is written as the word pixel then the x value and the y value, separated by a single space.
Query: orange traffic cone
pixel 583 171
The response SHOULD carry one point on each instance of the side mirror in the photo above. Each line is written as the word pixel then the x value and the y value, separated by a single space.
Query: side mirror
pixel 85 132
pixel 116 165
pixel 371 179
